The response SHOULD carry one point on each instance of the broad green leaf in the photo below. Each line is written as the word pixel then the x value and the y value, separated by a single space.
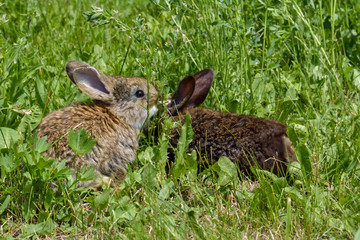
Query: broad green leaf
pixel 301 132
pixel 8 162
pixel 291 95
pixel 294 193
pixel 277 181
pixel 162 150
pixel 228 171
pixel 4 204
pixel 43 163
pixel 186 136
pixel 356 77
pixel 297 134
pixel 8 135
pixel 357 235
pixel 124 209
pixel 129 213
pixel 29 159
pixel 192 165
pixel 146 156
pixel 294 168
pixel 228 167
pixel 163 154
pixel 30 119
pixel 101 201
pixel 61 169
pixel 292 136
pixel 166 190
pixel 80 142
pixel 258 86
pixel 39 229
pixel 48 198
pixel 148 176
pixel 303 153
pixel 86 173
pixel 42 145
pixel 124 201
pixel 40 93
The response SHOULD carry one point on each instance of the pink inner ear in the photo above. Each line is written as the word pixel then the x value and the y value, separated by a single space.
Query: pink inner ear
pixel 90 78
pixel 99 86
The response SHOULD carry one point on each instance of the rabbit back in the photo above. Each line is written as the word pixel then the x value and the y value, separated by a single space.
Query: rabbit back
pixel 246 140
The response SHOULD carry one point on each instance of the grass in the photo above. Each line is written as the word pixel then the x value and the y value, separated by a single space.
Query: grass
pixel 294 61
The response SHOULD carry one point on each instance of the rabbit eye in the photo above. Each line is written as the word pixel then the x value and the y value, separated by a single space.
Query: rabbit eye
pixel 139 93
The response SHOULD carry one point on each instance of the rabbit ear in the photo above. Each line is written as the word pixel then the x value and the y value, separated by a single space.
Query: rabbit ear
pixel 71 66
pixel 89 80
pixel 184 91
pixel 203 81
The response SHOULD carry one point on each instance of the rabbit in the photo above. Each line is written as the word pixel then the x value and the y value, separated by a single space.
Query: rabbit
pixel 246 140
pixel 121 107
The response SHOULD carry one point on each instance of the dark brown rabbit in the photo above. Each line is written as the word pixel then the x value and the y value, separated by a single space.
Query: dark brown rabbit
pixel 122 106
pixel 246 140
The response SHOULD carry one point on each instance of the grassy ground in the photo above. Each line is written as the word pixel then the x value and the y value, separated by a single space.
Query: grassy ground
pixel 294 61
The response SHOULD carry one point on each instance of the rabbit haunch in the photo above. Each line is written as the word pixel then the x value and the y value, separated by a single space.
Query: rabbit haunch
pixel 121 107
pixel 246 140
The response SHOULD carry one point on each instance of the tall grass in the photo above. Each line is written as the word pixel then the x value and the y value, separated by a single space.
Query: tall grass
pixel 294 61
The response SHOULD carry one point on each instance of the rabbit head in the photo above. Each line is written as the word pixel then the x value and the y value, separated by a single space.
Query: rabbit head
pixel 131 99
pixel 191 91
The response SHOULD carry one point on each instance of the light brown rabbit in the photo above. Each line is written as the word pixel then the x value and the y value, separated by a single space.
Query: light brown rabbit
pixel 246 140
pixel 121 107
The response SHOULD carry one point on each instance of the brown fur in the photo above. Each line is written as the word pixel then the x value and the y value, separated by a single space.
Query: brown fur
pixel 115 119
pixel 246 140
